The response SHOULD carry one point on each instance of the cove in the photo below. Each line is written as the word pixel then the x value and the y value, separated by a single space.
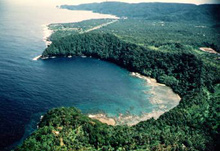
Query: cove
pixel 28 89
pixel 108 92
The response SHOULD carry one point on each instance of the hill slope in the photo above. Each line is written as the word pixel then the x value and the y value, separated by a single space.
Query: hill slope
pixel 192 125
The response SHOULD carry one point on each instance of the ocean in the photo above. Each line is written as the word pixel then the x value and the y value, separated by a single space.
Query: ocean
pixel 28 89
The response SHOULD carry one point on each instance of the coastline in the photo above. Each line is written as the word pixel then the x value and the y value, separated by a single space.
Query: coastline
pixel 161 102
pixel 103 118
pixel 47 32
pixel 37 58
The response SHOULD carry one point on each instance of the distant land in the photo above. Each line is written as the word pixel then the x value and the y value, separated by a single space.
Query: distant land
pixel 176 44
pixel 155 11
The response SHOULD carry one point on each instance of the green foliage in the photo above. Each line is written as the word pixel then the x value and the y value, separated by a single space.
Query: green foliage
pixel 66 29
pixel 162 36
pixel 169 80
pixel 182 71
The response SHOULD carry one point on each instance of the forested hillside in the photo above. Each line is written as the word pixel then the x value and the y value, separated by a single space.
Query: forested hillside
pixel 155 11
pixel 156 35
pixel 176 66
pixel 192 125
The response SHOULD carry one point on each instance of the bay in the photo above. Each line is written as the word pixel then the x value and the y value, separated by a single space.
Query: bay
pixel 28 89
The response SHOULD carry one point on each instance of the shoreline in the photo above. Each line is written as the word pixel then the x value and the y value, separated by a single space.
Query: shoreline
pixel 47 32
pixel 37 58
pixel 46 35
pixel 155 99
pixel 103 118
pixel 150 81
pixel 154 84
pixel 161 101
pixel 53 57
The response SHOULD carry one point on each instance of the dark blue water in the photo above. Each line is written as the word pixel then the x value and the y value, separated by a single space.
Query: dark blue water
pixel 30 88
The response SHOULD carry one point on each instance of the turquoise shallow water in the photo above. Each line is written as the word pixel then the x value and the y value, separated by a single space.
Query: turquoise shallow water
pixel 30 88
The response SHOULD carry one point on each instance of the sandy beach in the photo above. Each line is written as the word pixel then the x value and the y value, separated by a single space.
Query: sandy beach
pixel 162 97
pixel 150 81
pixel 103 118
pixel 129 120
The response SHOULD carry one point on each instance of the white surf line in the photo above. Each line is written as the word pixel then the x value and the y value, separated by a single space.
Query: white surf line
pixel 100 26
pixel 36 58
pixel 48 33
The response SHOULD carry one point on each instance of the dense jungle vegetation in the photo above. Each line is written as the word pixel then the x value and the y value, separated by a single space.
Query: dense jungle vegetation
pixel 162 36
pixel 171 22
pixel 174 66
pixel 152 50
pixel 195 118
